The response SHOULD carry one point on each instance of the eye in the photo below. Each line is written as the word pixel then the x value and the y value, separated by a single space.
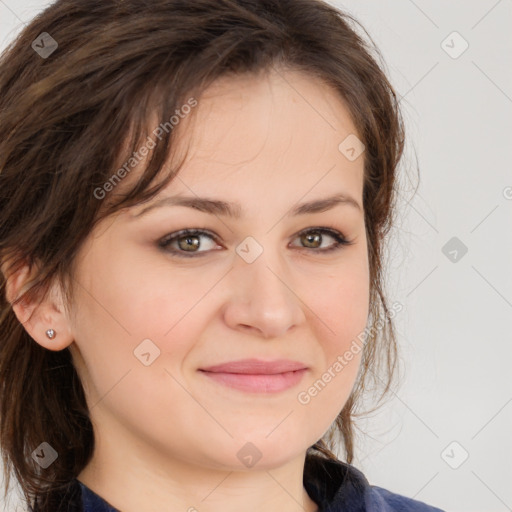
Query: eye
pixel 314 237
pixel 186 243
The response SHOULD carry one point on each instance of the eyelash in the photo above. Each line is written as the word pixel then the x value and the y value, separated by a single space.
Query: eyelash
pixel 340 241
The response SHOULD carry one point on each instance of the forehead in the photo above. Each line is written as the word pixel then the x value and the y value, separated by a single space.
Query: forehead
pixel 271 113
pixel 274 136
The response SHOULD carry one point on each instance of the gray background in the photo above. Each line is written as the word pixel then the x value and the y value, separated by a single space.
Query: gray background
pixel 455 397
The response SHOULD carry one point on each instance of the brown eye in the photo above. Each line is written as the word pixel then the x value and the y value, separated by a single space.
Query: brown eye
pixel 312 240
pixel 187 242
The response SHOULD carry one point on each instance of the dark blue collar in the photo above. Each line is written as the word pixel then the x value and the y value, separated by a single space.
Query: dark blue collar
pixel 91 502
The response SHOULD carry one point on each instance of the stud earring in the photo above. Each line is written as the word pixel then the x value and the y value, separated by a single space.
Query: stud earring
pixel 50 333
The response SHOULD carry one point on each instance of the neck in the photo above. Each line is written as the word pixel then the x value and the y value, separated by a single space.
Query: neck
pixel 131 480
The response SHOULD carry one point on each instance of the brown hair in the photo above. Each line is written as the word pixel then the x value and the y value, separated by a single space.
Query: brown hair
pixel 64 122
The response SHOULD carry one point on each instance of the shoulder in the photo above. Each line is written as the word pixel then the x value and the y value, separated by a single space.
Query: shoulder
pixel 337 486
pixel 382 500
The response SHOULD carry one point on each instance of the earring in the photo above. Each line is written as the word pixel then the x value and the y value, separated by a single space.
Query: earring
pixel 50 333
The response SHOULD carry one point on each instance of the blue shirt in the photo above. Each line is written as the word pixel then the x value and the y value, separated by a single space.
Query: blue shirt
pixel 334 485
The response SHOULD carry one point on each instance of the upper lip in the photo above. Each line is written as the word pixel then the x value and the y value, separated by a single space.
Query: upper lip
pixel 256 366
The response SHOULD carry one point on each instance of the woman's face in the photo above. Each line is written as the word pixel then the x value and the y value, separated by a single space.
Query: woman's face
pixel 148 319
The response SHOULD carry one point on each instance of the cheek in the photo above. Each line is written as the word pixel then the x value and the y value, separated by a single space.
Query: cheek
pixel 341 302
pixel 341 309
pixel 137 296
pixel 123 303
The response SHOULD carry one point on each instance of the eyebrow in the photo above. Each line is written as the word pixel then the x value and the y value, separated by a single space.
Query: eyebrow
pixel 234 210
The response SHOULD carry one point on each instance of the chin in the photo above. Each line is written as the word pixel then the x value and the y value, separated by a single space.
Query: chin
pixel 265 452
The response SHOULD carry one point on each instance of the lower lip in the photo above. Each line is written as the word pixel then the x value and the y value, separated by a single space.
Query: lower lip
pixel 253 383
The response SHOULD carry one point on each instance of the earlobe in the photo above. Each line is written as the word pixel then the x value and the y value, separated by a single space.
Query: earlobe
pixel 45 321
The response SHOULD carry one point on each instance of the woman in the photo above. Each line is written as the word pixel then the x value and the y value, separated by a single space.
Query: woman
pixel 195 197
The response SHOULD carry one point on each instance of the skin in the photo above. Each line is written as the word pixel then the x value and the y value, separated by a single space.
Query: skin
pixel 167 437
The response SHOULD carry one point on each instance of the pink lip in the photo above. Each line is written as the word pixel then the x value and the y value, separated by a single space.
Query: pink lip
pixel 257 376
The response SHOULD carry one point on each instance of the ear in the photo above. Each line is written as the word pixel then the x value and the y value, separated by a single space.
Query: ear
pixel 38 315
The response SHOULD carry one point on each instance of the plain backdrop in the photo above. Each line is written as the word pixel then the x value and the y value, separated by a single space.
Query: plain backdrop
pixel 444 437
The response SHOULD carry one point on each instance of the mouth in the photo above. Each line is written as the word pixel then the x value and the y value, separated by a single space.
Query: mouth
pixel 257 376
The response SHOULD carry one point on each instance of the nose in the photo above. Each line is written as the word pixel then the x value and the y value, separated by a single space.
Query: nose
pixel 263 298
